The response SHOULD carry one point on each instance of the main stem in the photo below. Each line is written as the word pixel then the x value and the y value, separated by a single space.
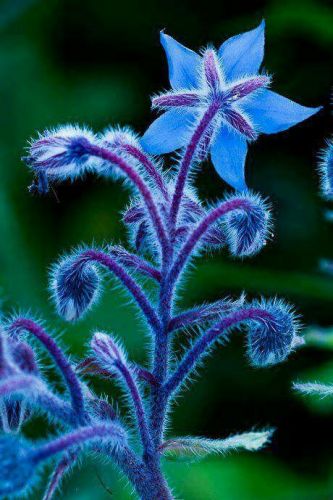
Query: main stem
pixel 159 397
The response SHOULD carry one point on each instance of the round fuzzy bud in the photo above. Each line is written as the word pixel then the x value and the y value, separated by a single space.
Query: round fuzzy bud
pixel 74 286
pixel 17 466
pixel 272 338
pixel 247 229
pixel 61 153
pixel 107 351
pixel 326 171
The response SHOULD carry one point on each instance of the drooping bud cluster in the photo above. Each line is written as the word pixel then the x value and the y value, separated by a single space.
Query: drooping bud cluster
pixel 273 337
pixel 74 286
pixel 247 231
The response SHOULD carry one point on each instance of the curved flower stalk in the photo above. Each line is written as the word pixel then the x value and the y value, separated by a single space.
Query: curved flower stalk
pixel 168 227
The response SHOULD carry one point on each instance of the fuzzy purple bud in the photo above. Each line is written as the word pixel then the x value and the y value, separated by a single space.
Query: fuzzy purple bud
pixel 74 287
pixel 107 351
pixel 248 230
pixel 61 153
pixel 272 338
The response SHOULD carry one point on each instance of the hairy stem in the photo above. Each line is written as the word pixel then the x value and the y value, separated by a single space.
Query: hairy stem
pixel 135 290
pixel 198 349
pixel 144 190
pixel 201 229
pixel 135 262
pixel 125 372
pixel 188 158
pixel 149 166
pixel 70 377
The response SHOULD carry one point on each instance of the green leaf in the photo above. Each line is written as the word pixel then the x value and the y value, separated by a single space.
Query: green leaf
pixel 314 388
pixel 197 447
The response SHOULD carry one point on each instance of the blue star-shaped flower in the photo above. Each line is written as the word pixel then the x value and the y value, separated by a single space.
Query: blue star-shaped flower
pixel 229 78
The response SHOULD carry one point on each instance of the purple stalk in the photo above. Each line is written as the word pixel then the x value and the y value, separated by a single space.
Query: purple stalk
pixel 16 383
pixel 90 366
pixel 31 387
pixel 62 467
pixel 114 159
pixel 77 438
pixel 70 377
pixel 134 261
pixel 125 372
pixel 161 350
pixel 199 314
pixel 135 290
pixel 201 229
pixel 149 166
pixel 222 327
pixel 188 158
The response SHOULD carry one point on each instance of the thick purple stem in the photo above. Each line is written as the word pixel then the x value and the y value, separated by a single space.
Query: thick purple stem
pixel 222 327
pixel 70 377
pixel 134 261
pixel 188 158
pixel 135 290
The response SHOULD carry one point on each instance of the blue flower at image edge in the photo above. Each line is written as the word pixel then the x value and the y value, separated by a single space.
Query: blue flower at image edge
pixel 248 108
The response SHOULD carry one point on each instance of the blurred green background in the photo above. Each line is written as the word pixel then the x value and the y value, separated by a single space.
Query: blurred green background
pixel 97 62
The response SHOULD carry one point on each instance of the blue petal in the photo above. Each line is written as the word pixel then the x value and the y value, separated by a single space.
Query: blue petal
pixel 169 132
pixel 243 54
pixel 184 64
pixel 271 112
pixel 228 154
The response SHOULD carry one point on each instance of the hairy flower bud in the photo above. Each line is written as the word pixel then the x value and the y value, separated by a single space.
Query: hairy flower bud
pixel 107 351
pixel 61 153
pixel 74 287
pixel 326 171
pixel 17 472
pixel 248 230
pixel 271 339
